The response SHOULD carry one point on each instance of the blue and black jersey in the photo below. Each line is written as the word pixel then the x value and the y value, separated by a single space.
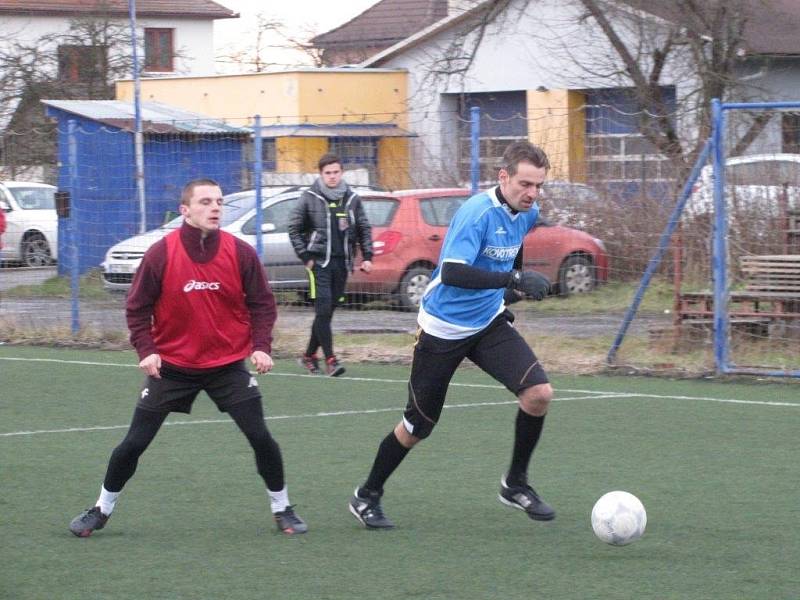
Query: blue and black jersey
pixel 484 233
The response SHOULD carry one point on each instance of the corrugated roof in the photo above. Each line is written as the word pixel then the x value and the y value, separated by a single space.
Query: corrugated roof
pixel 336 130
pixel 384 24
pixel 156 117
pixel 144 8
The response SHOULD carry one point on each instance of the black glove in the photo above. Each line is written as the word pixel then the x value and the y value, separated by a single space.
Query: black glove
pixel 510 296
pixel 534 285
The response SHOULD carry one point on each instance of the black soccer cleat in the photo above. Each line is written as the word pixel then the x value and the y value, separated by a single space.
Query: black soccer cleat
pixel 88 521
pixel 369 512
pixel 524 497
pixel 289 523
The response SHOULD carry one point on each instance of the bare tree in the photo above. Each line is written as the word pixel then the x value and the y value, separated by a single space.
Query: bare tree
pixel 270 46
pixel 642 45
pixel 80 63
pixel 698 40
pixel 253 57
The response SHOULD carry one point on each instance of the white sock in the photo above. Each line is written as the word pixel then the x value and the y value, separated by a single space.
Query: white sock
pixel 279 500
pixel 107 501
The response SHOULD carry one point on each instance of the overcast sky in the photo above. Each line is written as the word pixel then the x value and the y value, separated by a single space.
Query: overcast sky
pixel 302 18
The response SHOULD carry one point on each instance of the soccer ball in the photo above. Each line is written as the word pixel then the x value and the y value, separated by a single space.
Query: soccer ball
pixel 618 518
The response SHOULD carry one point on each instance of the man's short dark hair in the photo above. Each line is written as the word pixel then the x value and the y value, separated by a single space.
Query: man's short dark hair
pixel 188 189
pixel 328 159
pixel 518 152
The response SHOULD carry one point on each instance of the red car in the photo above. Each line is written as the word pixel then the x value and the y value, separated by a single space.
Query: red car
pixel 408 228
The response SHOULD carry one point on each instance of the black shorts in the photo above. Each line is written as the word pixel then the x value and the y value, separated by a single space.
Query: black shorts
pixel 177 390
pixel 499 350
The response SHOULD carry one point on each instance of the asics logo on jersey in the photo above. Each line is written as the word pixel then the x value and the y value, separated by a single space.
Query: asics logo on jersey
pixel 500 231
pixel 200 285
pixel 500 252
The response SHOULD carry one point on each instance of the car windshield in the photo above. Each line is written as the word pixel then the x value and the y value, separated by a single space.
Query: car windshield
pixel 236 206
pixel 34 198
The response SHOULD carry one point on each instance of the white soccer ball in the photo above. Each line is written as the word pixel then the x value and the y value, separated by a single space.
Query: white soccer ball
pixel 618 518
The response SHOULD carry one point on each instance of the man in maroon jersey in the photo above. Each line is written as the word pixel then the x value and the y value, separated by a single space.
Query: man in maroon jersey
pixel 199 305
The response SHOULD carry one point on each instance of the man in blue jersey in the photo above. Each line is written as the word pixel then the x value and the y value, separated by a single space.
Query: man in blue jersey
pixel 463 315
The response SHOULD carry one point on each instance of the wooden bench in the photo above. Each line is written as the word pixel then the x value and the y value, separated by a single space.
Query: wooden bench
pixel 772 291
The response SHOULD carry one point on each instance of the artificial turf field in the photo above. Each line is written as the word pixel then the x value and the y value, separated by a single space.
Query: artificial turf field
pixel 715 464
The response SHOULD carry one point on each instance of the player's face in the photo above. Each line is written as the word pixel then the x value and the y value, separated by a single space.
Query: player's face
pixel 523 187
pixel 331 175
pixel 204 210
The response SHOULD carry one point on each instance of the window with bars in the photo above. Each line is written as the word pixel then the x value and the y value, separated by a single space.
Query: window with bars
pixel 158 49
pixel 356 152
pixel 616 151
pixel 623 158
pixel 502 122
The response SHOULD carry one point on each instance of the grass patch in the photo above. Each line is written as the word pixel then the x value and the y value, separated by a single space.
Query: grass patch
pixel 91 288
pixel 613 297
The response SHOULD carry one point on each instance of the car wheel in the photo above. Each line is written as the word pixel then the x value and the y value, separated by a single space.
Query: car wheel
pixel 35 251
pixel 412 287
pixel 576 276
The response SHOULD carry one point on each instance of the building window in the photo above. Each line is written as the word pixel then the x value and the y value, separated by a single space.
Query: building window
pixel 78 64
pixel 790 127
pixel 502 122
pixel 356 152
pixel 158 49
pixel 617 153
pixel 268 154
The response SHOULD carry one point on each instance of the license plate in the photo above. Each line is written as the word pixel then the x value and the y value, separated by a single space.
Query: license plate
pixel 121 268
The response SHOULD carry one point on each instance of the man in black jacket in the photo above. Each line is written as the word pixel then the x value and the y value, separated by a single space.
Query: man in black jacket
pixel 324 228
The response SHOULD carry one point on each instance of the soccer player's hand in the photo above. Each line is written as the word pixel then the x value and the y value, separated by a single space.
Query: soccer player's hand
pixel 261 361
pixel 534 285
pixel 151 365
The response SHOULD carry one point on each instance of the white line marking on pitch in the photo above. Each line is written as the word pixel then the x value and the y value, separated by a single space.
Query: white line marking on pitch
pixel 590 394
pixel 337 413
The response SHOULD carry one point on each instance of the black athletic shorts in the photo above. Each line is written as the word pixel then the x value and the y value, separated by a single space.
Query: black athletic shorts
pixel 498 349
pixel 176 390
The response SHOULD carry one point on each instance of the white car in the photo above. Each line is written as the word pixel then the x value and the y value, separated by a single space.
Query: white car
pixel 285 270
pixel 753 184
pixel 31 235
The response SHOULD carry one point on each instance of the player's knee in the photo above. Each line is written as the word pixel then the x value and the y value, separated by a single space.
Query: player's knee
pixel 129 449
pixel 535 400
pixel 407 439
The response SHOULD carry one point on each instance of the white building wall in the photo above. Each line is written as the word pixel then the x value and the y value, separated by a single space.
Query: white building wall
pixel 194 38
pixel 537 43
pixel 541 43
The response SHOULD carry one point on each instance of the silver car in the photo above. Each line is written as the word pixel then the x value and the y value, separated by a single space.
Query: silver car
pixel 31 235
pixel 284 268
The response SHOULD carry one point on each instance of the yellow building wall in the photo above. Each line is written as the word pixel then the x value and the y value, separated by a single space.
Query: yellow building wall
pixel 556 122
pixel 353 97
pixel 393 163
pixel 299 155
pixel 303 96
